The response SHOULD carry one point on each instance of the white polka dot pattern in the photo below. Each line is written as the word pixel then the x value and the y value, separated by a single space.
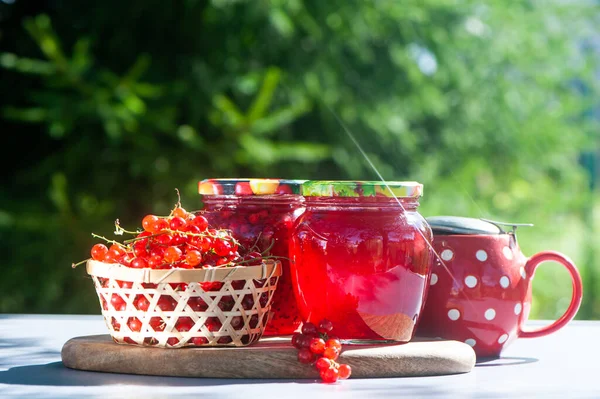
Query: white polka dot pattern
pixel 481 255
pixel 434 279
pixel 502 339
pixel 453 314
pixel 447 254
pixel 506 251
pixel 504 282
pixel 471 281
pixel 490 314
pixel 518 308
pixel 471 342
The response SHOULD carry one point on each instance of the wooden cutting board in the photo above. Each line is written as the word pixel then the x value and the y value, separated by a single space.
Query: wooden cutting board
pixel 269 358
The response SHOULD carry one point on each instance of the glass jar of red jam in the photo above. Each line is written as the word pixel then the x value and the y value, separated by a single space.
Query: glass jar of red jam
pixel 261 214
pixel 361 257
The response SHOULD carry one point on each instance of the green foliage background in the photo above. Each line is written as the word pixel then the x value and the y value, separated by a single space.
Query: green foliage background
pixel 107 107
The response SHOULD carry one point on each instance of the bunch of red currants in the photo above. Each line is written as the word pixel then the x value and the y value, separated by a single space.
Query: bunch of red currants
pixel 180 240
pixel 315 346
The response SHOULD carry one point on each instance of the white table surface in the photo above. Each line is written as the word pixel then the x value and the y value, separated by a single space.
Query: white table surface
pixel 561 365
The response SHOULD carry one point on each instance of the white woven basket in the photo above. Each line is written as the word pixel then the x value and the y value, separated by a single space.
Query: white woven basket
pixel 231 310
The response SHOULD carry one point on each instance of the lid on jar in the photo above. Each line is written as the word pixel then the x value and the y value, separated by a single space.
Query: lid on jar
pixel 458 225
pixel 247 187
pixel 339 188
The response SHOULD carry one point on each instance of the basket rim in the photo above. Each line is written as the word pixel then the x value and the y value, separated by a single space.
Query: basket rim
pixel 268 268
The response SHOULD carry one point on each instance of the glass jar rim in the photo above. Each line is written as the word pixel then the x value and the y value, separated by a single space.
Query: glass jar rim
pixel 243 187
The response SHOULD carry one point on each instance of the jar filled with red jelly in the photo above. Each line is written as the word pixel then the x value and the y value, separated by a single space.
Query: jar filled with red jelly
pixel 261 214
pixel 361 257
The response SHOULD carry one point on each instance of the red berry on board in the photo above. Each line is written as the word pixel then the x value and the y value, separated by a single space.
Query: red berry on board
pixel 178 239
pixel 309 328
pixel 139 263
pixel 344 371
pixel 322 363
pixel 296 338
pixel 330 353
pixel 305 356
pixel 325 326
pixel 190 228
pixel 148 223
pixel 173 254
pixel 157 251
pixel 317 346
pixel 330 375
pixel 334 343
pixel 99 251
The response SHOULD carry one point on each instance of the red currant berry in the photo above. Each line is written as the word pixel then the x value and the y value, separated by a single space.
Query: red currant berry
pixel 142 303
pixel 163 239
pixel 199 341
pixel 124 284
pixel 184 324
pixel 180 212
pixel 330 375
pixel 200 221
pixel 190 228
pixel 160 225
pixel 116 301
pixel 134 324
pixel 177 223
pixel 139 248
pixel 178 239
pixel 166 303
pixel 99 251
pixel 148 223
pixel 305 356
pixel 173 254
pixel 157 324
pixel 193 257
pixel 334 343
pixel 117 250
pixel 330 353
pixel 237 322
pixel 317 346
pixel 344 371
pixel 322 363
pixel 222 247
pixel 309 329
pixel 139 263
pixel 325 326
pixel 154 262
pixel 296 338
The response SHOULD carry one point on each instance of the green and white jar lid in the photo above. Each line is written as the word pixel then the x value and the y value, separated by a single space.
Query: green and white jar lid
pixel 341 188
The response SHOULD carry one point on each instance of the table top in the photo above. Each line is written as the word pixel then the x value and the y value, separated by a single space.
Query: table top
pixel 561 365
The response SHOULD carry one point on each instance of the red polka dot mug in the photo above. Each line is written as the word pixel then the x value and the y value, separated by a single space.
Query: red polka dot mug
pixel 480 287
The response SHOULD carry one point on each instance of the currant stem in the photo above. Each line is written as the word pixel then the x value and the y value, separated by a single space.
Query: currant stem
pixel 110 241
pixel 74 265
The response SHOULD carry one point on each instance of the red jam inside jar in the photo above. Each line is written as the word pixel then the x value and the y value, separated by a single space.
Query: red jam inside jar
pixel 261 214
pixel 361 257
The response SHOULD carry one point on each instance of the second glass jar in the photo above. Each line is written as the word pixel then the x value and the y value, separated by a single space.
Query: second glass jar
pixel 261 214
pixel 361 257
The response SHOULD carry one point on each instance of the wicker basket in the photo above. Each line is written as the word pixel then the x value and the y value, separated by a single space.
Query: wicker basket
pixel 175 308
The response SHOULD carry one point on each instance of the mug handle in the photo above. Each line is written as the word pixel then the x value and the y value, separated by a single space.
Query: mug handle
pixel 557 257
